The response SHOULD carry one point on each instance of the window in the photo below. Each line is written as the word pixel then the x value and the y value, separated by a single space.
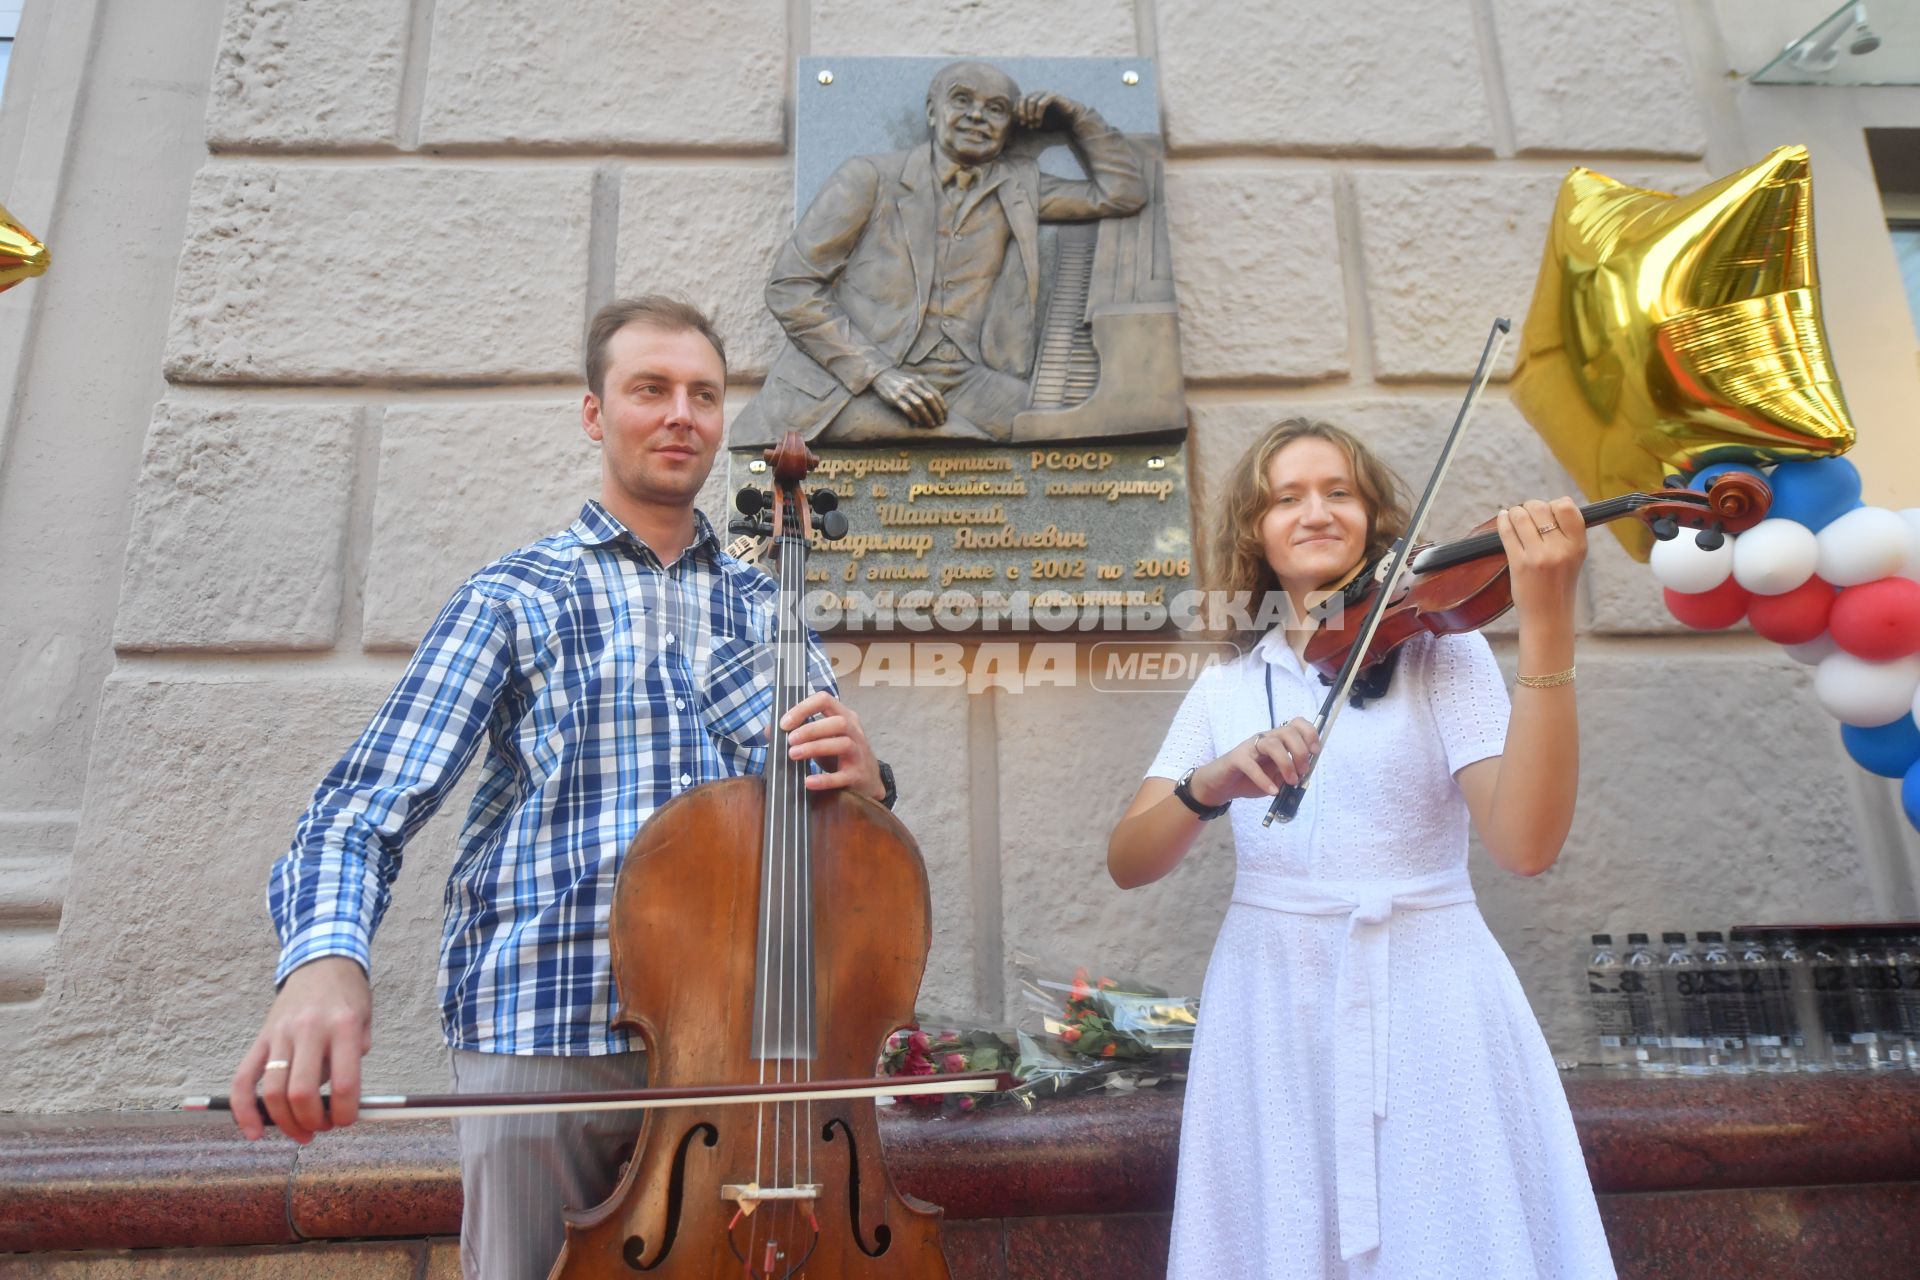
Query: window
pixel 1906 243
pixel 9 25
pixel 1896 168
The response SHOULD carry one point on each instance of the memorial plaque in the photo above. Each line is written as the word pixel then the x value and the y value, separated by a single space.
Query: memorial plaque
pixel 982 339
pixel 1088 537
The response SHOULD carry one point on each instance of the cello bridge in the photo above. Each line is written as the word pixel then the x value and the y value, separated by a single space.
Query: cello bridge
pixel 751 1195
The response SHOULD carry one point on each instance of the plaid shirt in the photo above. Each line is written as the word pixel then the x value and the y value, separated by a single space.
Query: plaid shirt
pixel 603 684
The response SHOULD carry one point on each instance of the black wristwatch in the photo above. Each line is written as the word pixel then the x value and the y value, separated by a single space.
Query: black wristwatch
pixel 886 780
pixel 1205 812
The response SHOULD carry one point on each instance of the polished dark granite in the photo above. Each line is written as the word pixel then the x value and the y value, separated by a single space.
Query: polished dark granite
pixel 398 1178
pixel 1724 1176
pixel 129 1179
pixel 1643 1134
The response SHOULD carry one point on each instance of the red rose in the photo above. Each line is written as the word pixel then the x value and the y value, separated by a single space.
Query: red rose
pixel 1070 1034
pixel 954 1062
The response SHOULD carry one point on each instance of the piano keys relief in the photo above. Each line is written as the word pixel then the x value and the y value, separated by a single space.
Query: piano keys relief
pixel 980 342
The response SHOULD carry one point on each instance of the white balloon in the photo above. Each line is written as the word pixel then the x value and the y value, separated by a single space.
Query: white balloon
pixel 1864 545
pixel 1775 556
pixel 1680 565
pixel 1912 570
pixel 1863 693
pixel 1813 650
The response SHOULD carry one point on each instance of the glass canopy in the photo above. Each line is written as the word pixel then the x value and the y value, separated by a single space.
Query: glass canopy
pixel 1861 42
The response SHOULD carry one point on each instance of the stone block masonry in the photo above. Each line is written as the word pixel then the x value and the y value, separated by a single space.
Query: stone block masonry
pixel 404 212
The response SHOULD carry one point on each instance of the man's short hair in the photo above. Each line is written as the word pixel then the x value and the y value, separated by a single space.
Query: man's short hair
pixel 656 309
pixel 943 79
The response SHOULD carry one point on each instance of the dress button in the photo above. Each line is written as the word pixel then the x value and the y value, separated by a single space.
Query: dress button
pixel 669 637
pixel 686 779
pixel 680 703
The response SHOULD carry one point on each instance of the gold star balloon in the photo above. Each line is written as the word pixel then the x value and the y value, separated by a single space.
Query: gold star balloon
pixel 1669 332
pixel 21 256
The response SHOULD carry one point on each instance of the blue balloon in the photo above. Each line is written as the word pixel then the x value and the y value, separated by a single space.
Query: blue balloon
pixel 1814 493
pixel 1910 796
pixel 1709 474
pixel 1889 750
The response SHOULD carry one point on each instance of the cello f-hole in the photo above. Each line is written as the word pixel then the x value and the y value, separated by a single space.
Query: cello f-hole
pixel 882 1233
pixel 633 1250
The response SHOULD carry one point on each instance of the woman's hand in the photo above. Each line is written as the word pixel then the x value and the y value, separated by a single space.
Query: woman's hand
pixel 1546 543
pixel 1258 766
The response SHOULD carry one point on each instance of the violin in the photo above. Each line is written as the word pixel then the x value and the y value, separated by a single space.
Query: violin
pixel 764 934
pixel 1463 585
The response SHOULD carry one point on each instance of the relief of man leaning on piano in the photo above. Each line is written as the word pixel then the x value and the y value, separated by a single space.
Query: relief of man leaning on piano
pixel 919 305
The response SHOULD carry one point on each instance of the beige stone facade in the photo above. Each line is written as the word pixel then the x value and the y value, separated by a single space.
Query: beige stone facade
pixel 307 356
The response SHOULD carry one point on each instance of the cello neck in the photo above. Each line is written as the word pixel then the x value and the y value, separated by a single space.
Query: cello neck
pixel 784 993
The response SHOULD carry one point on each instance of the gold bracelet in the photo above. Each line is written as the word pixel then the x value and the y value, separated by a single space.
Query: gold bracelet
pixel 1553 681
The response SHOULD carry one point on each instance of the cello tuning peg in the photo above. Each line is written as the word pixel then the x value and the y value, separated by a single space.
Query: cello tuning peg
pixel 1674 482
pixel 751 501
pixel 1710 538
pixel 823 501
pixel 1665 528
pixel 833 526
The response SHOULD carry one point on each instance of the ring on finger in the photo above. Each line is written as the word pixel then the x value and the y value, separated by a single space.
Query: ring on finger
pixel 277 1064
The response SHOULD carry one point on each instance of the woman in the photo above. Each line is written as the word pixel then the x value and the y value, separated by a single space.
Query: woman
pixel 1370 1094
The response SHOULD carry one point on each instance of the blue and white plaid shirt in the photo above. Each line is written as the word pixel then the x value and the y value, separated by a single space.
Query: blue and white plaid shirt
pixel 603 684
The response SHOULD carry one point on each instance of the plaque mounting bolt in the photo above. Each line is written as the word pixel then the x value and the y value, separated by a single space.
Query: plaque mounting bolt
pixel 758 466
pixel 1156 463
pixel 826 77
pixel 1126 77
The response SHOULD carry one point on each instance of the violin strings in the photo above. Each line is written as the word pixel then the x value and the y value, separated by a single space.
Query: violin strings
pixel 1445 555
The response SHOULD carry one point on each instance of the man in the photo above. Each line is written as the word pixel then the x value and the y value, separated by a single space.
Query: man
pixel 606 669
pixel 910 285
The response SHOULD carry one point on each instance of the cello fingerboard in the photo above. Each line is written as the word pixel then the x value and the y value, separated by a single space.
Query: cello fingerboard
pixel 783 997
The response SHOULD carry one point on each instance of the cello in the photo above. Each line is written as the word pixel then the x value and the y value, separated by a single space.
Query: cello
pixel 765 934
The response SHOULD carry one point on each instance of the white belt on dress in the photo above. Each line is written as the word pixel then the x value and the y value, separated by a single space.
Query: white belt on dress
pixel 1359 1017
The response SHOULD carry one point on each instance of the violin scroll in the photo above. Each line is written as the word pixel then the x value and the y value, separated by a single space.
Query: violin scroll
pixel 1733 503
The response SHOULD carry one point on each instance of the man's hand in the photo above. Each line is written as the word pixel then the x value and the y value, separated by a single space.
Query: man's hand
pixel 1033 108
pixel 319 1026
pixel 914 396
pixel 837 741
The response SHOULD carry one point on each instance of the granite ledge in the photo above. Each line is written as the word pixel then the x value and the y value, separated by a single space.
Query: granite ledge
pixel 121 1180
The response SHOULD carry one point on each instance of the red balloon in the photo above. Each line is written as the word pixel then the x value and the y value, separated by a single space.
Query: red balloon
pixel 1714 610
pixel 1796 616
pixel 1878 621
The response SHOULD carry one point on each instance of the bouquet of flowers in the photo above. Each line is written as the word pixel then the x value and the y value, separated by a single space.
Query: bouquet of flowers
pixel 1100 1033
pixel 949 1049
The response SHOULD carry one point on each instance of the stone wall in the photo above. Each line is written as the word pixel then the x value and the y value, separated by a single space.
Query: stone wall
pixel 307 356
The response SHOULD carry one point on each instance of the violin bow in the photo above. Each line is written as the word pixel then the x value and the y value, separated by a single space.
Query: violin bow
pixel 455 1106
pixel 1286 803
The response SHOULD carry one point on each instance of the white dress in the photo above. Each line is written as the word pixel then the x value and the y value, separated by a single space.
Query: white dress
pixel 1328 1132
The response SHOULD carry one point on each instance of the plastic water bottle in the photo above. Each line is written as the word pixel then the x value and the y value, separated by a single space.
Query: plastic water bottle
pixel 1686 1006
pixel 1906 964
pixel 1607 1007
pixel 1875 981
pixel 1640 985
pixel 1803 1034
pixel 1726 1004
pixel 1768 1018
pixel 1841 1037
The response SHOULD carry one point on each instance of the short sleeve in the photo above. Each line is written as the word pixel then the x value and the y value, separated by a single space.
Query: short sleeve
pixel 1468 695
pixel 1189 740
